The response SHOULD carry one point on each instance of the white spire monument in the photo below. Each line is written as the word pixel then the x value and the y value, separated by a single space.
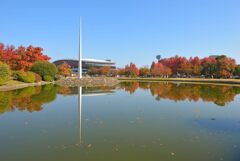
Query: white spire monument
pixel 79 77
pixel 80 50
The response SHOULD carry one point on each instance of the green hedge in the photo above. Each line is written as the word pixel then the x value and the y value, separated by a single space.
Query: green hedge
pixel 44 69
pixel 27 77
pixel 5 73
pixel 48 78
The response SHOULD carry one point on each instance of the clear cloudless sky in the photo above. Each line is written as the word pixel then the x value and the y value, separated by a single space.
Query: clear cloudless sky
pixel 124 30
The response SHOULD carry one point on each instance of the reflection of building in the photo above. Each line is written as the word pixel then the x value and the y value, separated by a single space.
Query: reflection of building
pixel 86 64
pixel 86 91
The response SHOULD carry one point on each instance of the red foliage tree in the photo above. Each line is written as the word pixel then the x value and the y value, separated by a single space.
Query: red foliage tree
pixel 209 66
pixel 131 70
pixel 21 58
pixel 225 66
pixel 158 69
pixel 196 65
pixel 176 64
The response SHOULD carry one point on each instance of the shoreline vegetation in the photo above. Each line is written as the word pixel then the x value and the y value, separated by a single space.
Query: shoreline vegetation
pixel 32 99
pixel 13 85
pixel 111 81
pixel 64 82
pixel 184 80
pixel 29 66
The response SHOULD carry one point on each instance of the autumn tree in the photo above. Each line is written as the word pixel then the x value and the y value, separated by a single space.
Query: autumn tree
pixel 167 71
pixel 144 71
pixel 93 71
pixel 221 66
pixel 8 55
pixel 152 72
pixel 104 70
pixel 30 55
pixel 121 71
pixel 196 65
pixel 131 70
pixel 225 66
pixel 158 69
pixel 21 58
pixel 209 65
pixel 64 69
pixel 174 63
pixel 185 68
pixel 113 72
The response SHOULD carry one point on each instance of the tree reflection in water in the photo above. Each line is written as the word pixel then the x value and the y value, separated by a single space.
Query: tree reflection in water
pixel 219 94
pixel 33 98
pixel 27 99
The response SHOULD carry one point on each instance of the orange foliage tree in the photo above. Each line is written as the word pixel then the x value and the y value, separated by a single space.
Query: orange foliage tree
pixel 219 66
pixel 158 69
pixel 64 69
pixel 225 66
pixel 121 71
pixel 131 70
pixel 104 70
pixel 144 71
pixel 21 58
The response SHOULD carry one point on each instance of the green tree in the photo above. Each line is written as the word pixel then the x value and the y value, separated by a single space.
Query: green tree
pixel 44 69
pixel 5 73
pixel 237 70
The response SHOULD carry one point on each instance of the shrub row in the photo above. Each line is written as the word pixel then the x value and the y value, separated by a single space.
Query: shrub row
pixel 40 71
pixel 48 78
pixel 27 77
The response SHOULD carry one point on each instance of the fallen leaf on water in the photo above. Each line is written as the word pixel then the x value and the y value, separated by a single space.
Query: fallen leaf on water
pixel 89 145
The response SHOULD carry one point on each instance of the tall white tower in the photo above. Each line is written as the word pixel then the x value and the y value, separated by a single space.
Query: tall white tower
pixel 80 50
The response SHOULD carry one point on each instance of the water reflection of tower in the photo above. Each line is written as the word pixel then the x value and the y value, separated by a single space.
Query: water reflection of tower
pixel 79 77
pixel 87 93
pixel 80 113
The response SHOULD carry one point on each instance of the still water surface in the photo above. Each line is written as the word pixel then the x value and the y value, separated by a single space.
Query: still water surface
pixel 131 122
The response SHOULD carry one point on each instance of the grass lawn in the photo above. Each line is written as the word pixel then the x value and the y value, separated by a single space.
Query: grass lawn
pixel 12 82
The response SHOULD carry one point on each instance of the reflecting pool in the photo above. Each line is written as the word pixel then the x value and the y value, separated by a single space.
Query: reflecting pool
pixel 130 122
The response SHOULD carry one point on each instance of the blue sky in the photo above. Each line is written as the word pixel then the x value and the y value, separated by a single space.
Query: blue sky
pixel 124 30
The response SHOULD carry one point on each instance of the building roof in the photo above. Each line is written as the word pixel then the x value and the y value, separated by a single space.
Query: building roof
pixel 87 60
pixel 98 60
pixel 94 62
